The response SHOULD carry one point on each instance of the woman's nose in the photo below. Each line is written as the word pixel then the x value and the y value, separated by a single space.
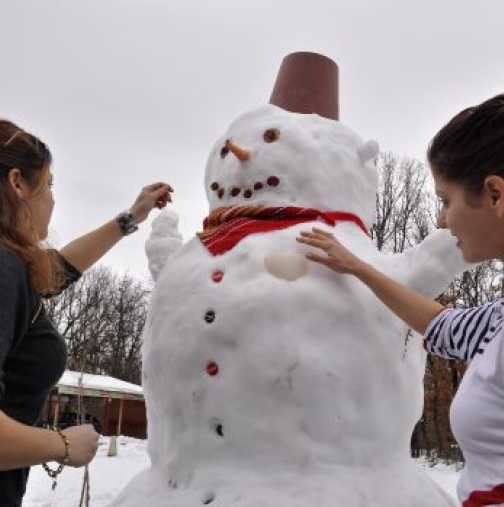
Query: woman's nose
pixel 441 220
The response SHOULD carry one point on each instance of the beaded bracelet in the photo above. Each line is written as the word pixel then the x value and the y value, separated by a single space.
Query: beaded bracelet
pixel 53 474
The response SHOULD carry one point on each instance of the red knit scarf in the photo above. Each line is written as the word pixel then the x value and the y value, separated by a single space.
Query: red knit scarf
pixel 225 227
pixel 481 498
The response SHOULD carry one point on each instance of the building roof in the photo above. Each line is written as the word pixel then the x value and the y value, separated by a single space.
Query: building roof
pixel 98 386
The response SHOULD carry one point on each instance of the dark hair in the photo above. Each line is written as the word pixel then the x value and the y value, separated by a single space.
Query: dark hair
pixel 470 146
pixel 23 151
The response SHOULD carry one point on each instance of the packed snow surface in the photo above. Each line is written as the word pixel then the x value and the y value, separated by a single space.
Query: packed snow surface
pixel 110 475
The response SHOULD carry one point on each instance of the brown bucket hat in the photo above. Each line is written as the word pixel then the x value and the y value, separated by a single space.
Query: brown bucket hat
pixel 307 83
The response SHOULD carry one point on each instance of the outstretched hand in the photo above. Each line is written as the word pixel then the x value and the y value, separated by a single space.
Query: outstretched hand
pixel 337 257
pixel 152 196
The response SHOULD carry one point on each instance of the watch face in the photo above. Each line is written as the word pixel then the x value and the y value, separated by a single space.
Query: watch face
pixel 126 222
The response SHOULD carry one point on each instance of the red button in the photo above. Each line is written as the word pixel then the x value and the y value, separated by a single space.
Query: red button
pixel 212 369
pixel 217 276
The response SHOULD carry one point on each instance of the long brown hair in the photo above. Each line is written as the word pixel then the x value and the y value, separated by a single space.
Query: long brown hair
pixel 23 151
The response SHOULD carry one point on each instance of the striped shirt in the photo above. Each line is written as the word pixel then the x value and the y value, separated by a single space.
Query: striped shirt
pixel 476 336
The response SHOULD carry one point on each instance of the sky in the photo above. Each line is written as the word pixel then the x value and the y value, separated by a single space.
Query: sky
pixel 130 92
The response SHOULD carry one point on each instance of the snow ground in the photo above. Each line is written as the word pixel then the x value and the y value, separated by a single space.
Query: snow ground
pixel 108 476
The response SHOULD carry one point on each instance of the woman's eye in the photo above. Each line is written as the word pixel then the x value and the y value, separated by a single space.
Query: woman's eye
pixel 271 135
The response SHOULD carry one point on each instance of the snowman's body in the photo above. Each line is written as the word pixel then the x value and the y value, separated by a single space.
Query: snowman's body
pixel 272 381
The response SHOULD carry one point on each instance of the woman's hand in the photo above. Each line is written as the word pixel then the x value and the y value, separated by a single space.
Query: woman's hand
pixel 86 250
pixel 152 196
pixel 83 442
pixel 337 257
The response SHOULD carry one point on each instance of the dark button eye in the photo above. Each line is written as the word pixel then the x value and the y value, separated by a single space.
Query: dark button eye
pixel 224 150
pixel 273 181
pixel 209 316
pixel 271 135
pixel 219 430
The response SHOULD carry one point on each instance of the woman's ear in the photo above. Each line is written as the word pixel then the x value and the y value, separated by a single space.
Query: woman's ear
pixel 18 184
pixel 494 188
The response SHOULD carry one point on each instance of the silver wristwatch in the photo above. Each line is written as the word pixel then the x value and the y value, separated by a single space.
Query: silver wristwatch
pixel 126 222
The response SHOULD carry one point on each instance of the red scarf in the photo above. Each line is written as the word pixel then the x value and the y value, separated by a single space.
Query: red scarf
pixel 225 227
pixel 481 498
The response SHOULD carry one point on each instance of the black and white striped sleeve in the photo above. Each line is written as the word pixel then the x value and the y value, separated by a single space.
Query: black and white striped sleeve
pixel 460 334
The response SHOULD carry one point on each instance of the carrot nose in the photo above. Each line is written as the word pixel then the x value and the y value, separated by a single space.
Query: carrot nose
pixel 239 153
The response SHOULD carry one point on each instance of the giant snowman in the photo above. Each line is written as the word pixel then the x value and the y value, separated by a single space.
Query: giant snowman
pixel 272 381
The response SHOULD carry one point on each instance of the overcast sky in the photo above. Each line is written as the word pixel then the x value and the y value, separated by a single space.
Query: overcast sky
pixel 128 92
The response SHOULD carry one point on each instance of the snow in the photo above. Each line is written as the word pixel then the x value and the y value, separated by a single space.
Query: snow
pixel 109 475
pixel 98 382
pixel 163 242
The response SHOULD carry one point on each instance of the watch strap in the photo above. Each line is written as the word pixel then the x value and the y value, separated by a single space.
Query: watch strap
pixel 127 223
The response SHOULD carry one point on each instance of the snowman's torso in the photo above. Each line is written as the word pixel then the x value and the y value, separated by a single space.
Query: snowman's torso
pixel 246 366
pixel 271 381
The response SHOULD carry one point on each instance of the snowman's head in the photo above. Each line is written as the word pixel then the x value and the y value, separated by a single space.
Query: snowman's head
pixel 272 157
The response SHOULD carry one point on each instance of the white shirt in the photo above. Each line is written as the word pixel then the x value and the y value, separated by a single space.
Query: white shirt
pixel 477 411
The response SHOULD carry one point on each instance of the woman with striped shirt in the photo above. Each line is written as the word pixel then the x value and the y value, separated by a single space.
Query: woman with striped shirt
pixel 467 162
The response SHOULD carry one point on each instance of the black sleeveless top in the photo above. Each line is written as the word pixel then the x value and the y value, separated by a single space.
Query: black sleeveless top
pixel 32 357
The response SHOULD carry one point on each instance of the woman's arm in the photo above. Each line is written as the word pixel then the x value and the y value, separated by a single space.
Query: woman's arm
pixel 23 446
pixel 86 250
pixel 414 309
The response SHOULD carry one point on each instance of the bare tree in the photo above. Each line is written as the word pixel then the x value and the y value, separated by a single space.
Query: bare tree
pixel 129 312
pixel 403 204
pixel 102 318
pixel 405 215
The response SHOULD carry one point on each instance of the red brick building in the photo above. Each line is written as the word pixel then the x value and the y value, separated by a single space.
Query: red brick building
pixel 114 406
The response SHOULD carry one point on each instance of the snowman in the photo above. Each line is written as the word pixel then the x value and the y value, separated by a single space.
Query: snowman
pixel 271 381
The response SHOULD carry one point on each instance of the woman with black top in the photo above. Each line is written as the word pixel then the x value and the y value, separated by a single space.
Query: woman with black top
pixel 32 353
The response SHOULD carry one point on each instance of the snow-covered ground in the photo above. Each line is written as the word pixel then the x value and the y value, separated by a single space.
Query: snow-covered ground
pixel 109 475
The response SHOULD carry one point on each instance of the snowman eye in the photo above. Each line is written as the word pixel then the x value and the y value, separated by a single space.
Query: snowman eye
pixel 224 150
pixel 271 135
